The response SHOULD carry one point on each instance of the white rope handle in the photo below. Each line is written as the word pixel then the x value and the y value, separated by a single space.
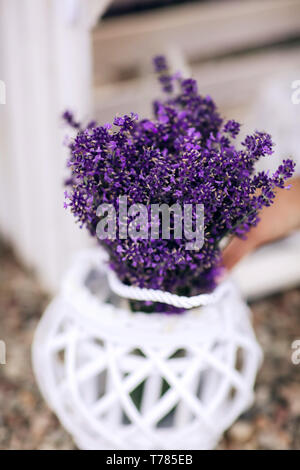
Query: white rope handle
pixel 141 293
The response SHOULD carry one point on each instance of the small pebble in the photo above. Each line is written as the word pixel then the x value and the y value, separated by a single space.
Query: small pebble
pixel 241 432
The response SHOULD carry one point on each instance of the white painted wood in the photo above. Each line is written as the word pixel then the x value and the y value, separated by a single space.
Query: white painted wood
pixel 198 31
pixel 4 168
pixel 13 117
pixel 46 63
pixel 235 83
pixel 80 12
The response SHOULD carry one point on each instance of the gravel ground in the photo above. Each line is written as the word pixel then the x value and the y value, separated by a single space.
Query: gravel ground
pixel 26 422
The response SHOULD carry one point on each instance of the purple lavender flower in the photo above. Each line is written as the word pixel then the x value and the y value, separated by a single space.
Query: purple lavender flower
pixel 232 127
pixel 184 155
pixel 69 119
pixel 160 64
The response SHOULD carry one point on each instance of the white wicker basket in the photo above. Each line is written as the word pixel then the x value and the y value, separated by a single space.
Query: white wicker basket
pixel 119 380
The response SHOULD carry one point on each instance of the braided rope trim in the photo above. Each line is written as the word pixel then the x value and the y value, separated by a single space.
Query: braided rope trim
pixel 141 293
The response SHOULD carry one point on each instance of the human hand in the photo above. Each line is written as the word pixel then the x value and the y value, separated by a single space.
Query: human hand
pixel 277 221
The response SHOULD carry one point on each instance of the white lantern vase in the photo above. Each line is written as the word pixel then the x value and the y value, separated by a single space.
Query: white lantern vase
pixel 122 380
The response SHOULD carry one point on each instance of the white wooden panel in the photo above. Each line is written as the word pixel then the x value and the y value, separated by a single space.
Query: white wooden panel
pixel 46 64
pixel 199 31
pixel 235 84
pixel 17 196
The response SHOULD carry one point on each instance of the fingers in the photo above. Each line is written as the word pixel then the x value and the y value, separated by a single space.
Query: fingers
pixel 277 221
pixel 235 251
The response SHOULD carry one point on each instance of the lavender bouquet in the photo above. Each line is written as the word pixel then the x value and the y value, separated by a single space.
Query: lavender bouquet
pixel 186 154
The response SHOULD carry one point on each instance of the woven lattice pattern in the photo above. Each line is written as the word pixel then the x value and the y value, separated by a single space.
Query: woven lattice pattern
pixel 133 381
